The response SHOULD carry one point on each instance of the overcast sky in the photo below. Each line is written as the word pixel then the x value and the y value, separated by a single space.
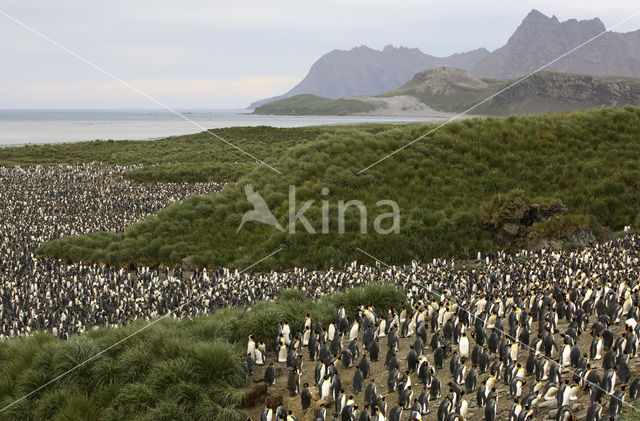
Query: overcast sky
pixel 209 54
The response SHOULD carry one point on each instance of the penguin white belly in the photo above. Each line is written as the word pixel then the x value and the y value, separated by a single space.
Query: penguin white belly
pixel 282 354
pixel 514 352
pixel 464 408
pixel 464 347
pixel 326 390
pixel 551 394
pixel 566 356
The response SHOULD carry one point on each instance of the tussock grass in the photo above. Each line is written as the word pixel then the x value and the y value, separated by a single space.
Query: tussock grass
pixel 444 185
pixel 178 369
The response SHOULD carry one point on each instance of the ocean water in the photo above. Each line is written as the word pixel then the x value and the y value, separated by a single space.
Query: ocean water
pixel 19 127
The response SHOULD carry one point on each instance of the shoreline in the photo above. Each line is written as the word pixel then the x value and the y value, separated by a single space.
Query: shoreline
pixel 332 122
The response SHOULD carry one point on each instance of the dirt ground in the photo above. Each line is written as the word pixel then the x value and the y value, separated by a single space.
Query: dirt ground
pixel 380 373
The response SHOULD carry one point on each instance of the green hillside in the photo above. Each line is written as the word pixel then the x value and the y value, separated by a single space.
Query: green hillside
pixel 307 104
pixel 188 158
pixel 454 188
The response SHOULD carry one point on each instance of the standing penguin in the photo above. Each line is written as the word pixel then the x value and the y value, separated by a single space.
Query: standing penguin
pixel 435 389
pixel 615 404
pixel 634 389
pixel 463 346
pixel 365 414
pixel 594 413
pixel 282 353
pixel 270 375
pixel 392 379
pixel 515 410
pixel 374 350
pixel 566 355
pixel 396 413
pixel 325 388
pixel 340 400
pixel 370 393
pixel 305 397
pixel 491 410
pixel 516 386
pixel 349 412
pixel 438 357
pixel 358 381
pixel 609 381
pixel 293 382
pixel 347 358
pixel 565 413
pixel 423 400
pixel 445 408
pixel 574 355
pixel 412 360
pixel 471 380
pixel 596 348
pixel 622 369
pixel 481 395
pixel 248 365
pixel 267 414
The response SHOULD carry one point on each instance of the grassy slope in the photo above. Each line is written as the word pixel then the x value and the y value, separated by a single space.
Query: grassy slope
pixel 444 184
pixel 196 157
pixel 188 369
pixel 529 96
pixel 307 104
pixel 463 99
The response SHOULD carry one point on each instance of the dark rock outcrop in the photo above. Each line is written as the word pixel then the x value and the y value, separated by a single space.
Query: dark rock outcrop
pixel 516 222
pixel 540 39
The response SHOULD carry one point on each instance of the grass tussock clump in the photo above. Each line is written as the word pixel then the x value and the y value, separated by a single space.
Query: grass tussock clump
pixel 178 369
pixel 443 185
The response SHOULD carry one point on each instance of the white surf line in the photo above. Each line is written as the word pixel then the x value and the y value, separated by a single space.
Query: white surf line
pixel 499 92
pixel 568 370
pixel 174 311
pixel 135 89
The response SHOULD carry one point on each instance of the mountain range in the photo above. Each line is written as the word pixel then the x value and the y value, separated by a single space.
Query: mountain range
pixel 537 41
pixel 365 71
pixel 435 92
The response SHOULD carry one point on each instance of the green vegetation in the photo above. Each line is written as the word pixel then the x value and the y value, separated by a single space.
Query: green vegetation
pixel 543 92
pixel 444 185
pixel 307 104
pixel 178 369
pixel 191 158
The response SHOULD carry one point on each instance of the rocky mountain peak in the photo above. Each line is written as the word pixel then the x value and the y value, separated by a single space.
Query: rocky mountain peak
pixel 539 39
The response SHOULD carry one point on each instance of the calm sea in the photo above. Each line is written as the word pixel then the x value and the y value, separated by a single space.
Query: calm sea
pixel 19 127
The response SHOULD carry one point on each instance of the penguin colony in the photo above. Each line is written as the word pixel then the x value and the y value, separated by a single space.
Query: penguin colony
pixel 547 335
pixel 42 203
